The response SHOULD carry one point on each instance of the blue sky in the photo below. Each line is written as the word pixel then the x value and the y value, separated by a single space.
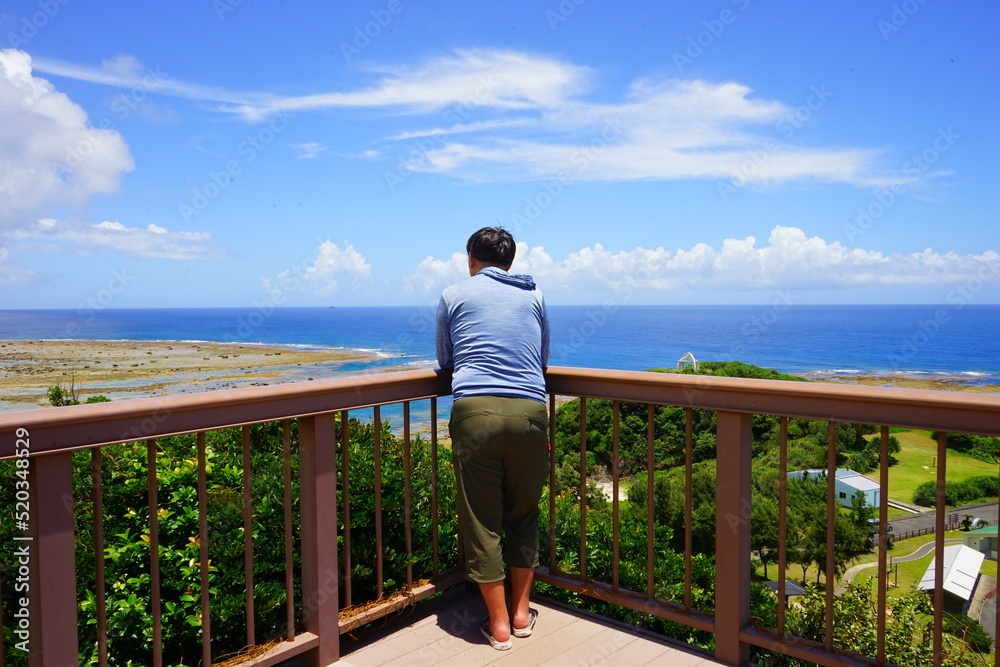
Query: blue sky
pixel 238 153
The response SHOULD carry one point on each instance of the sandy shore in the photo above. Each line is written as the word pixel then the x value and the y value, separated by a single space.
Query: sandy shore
pixel 946 383
pixel 131 369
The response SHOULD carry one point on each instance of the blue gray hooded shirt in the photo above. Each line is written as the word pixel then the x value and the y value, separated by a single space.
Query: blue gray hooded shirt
pixel 493 332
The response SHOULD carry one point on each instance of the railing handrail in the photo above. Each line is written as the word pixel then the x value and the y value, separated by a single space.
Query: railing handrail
pixel 952 411
pixel 55 433
pixel 99 424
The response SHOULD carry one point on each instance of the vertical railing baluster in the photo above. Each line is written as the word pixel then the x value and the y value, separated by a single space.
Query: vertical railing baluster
pixel 552 483
pixel 318 521
pixel 782 519
pixel 206 626
pixel 1 630
pixel 688 509
pixel 650 499
pixel 286 452
pixel 883 540
pixel 248 536
pixel 434 491
pixel 732 535
pixel 97 491
pixel 52 550
pixel 831 509
pixel 615 526
pixel 940 506
pixel 154 553
pixel 407 490
pixel 583 489
pixel 345 490
pixel 379 556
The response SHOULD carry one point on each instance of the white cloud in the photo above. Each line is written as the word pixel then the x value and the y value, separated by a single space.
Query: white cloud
pixel 461 128
pixel 152 242
pixel 126 71
pixel 52 155
pixel 525 116
pixel 432 275
pixel 665 130
pixel 323 273
pixel 789 260
pixel 470 77
pixel 125 65
pixel 308 150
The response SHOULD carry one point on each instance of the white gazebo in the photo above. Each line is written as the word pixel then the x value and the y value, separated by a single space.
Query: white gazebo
pixel 688 358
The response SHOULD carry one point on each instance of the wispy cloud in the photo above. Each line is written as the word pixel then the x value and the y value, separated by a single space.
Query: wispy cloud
pixel 473 77
pixel 527 116
pixel 150 242
pixel 309 149
pixel 664 130
pixel 128 72
pixel 460 128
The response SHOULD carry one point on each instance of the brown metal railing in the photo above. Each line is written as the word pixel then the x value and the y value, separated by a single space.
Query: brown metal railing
pixel 314 622
pixel 325 568
pixel 734 402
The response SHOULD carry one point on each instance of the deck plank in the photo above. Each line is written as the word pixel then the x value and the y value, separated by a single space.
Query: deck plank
pixel 445 631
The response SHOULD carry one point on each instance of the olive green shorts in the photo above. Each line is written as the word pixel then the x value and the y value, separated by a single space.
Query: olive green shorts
pixel 500 450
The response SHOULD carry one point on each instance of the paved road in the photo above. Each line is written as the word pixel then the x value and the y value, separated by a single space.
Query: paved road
pixel 924 520
pixel 988 610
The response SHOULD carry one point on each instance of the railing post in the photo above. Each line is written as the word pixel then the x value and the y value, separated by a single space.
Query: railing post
pixel 320 574
pixel 732 541
pixel 51 555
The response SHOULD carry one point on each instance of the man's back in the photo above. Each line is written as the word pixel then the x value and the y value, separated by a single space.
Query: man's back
pixel 493 331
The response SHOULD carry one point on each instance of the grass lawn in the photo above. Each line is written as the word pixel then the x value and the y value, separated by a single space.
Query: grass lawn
pixel 903 548
pixel 916 465
pixel 909 573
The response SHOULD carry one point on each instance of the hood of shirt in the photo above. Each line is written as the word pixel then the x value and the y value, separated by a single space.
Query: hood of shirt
pixel 515 279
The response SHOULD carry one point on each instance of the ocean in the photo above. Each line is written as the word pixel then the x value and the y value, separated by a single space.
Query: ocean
pixel 956 341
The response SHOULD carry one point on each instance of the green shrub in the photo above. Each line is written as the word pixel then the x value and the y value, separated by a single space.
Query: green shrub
pixel 127 541
pixel 980 447
pixel 968 630
pixel 957 492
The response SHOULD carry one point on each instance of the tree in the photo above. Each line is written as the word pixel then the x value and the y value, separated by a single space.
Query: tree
pixel 982 447
pixel 863 512
pixel 909 625
pixel 669 493
pixel 764 530
pixel 59 397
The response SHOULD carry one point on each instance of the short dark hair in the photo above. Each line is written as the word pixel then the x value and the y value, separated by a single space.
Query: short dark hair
pixel 493 245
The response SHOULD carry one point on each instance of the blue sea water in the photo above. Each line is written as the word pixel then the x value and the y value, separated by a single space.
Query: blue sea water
pixel 958 341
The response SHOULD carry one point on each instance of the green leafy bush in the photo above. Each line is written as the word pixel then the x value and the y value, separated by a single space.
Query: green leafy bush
pixel 969 630
pixel 127 540
pixel 957 492
pixel 980 447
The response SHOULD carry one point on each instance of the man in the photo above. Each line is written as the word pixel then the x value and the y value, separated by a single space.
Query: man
pixel 493 332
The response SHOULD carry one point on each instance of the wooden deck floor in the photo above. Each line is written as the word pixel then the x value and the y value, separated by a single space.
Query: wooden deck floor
pixel 445 631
